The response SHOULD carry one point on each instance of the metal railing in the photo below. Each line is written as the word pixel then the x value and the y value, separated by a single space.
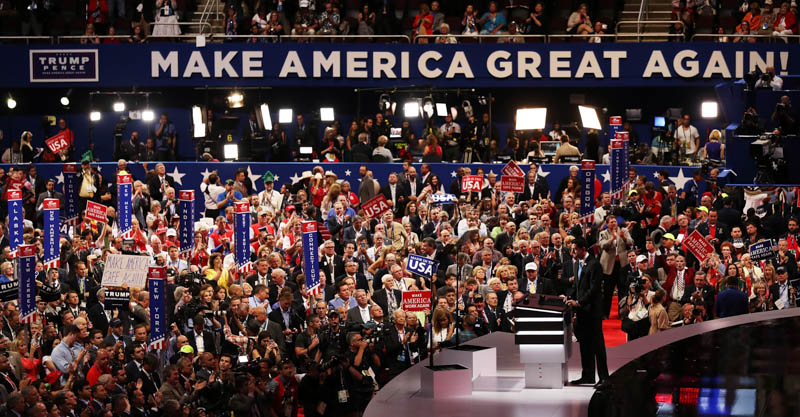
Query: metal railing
pixel 28 39
pixel 508 38
pixel 717 36
pixel 616 36
pixel 640 23
pixel 122 38
pixel 643 14
pixel 404 38
pixel 211 8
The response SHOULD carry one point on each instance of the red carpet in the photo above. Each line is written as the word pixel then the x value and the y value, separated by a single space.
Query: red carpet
pixel 612 328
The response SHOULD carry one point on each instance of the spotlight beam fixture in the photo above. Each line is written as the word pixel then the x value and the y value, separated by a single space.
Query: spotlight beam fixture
pixel 709 110
pixel 11 103
pixel 285 116
pixel 119 106
pixel 531 118
pixel 589 118
pixel 326 114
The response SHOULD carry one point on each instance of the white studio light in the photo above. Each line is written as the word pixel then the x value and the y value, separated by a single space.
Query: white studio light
pixel 411 109
pixel 589 118
pixel 65 101
pixel 119 106
pixel 11 103
pixel 197 122
pixel 94 116
pixel 148 115
pixel 231 151
pixel 531 118
pixel 285 116
pixel 441 109
pixel 326 114
pixel 265 117
pixel 236 100
pixel 709 110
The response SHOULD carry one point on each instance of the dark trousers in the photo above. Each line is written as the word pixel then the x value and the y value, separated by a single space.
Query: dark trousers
pixel 609 283
pixel 589 331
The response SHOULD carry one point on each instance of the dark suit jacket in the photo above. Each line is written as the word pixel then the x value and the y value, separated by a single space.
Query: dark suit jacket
pixel 154 186
pixel 349 234
pixel 381 298
pixel 666 206
pixel 274 292
pixel 540 190
pixel 418 184
pixel 90 285
pixel 708 294
pixel 97 316
pixel 361 281
pixel 543 286
pixel 722 232
pixel 294 320
pixel 338 267
pixel 253 279
pixel 401 195
pixel 493 317
pixel 208 341
pixel 354 316
pixel 587 288
pixel 42 196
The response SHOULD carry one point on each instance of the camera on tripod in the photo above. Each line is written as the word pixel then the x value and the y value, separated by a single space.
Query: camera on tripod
pixel 771 167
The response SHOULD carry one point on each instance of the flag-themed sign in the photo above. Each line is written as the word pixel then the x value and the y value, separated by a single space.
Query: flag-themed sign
pixel 512 170
pixel 58 142
pixel 614 126
pixel 70 172
pixel 587 190
pixel 310 258
pixel 14 198
pixel 698 245
pixel 241 235
pixel 625 138
pixel 156 280
pixel 26 275
pixel 186 214
pixel 50 244
pixel 125 204
pixel 96 212
pixel 618 173
pixel 511 184
pixel 375 206
pixel 443 198
pixel 471 183
pixel 417 300
pixel 763 249
pixel 421 266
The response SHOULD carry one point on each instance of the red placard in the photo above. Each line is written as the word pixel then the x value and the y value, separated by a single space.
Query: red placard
pixel 616 144
pixel 309 226
pixel 186 195
pixel 376 206
pixel 124 179
pixel 698 245
pixel 622 135
pixel 13 195
pixel 71 168
pixel 241 207
pixel 417 300
pixel 50 204
pixel 615 120
pixel 13 184
pixel 24 251
pixel 95 211
pixel 587 164
pixel 58 142
pixel 156 272
pixel 470 183
pixel 512 170
pixel 512 184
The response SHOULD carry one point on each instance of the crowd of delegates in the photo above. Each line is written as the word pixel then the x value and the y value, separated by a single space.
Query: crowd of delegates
pixel 258 344
pixel 765 19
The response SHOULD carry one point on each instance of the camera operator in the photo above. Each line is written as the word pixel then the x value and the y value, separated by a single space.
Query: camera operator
pixel 785 118
pixel 336 336
pixel 635 317
pixel 770 80
pixel 309 344
pixel 359 384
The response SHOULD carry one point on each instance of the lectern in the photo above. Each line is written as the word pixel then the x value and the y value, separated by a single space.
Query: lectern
pixel 543 332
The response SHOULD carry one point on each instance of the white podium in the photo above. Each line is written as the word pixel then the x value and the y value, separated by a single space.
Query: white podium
pixel 544 336
pixel 444 381
pixel 481 360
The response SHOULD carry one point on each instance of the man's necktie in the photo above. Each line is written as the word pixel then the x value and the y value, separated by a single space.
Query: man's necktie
pixel 532 288
pixel 680 282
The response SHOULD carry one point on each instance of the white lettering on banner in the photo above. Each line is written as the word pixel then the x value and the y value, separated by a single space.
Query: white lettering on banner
pixel 357 64
pixel 756 61
pixel 559 64
pixel 422 64
pixel 589 65
pixel 739 64
pixel 717 65
pixel 690 69
pixel 383 63
pixel 501 70
pixel 251 64
pixel 292 65
pixel 196 65
pixel 656 65
pixel 615 56
pixel 528 63
pixel 224 64
pixel 158 63
pixel 459 65
pixel 405 65
pixel 329 64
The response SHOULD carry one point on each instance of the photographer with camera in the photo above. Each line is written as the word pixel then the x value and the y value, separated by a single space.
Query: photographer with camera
pixel 634 308
pixel 770 80
pixel 785 118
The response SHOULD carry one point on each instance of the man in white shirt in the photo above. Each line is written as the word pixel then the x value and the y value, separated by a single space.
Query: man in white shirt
pixel 270 198
pixel 211 190
pixel 175 262
pixel 688 137
pixel 772 80
pixel 449 132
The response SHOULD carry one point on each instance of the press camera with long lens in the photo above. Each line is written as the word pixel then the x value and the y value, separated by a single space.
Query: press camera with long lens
pixel 771 166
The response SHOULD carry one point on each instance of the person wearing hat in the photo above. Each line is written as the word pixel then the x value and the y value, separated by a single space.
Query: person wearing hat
pixel 225 199
pixel 270 198
pixel 782 292
pixel 531 283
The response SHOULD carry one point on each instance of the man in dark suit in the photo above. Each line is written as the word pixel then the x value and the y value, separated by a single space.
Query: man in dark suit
pixel 672 205
pixel 351 271
pixel 532 281
pixel 396 195
pixel 198 333
pixel 330 262
pixel 413 184
pixel 279 282
pixel 700 293
pixel 49 192
pixel 587 301
pixel 286 316
pixel 158 183
pixel 354 230
pixel 360 313
pixel 782 292
pixel 535 186
pixel 714 231
pixel 495 316
pixel 261 275
pixel 732 301
pixel 336 223
pixel 430 250
pixel 97 313
pixel 387 295
pixel 82 282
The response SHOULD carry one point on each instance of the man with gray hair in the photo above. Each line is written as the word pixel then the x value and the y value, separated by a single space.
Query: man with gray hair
pixel 359 314
pixel 157 185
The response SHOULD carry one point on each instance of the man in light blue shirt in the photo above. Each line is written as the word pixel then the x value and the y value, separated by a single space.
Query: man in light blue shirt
pixel 63 354
pixel 342 298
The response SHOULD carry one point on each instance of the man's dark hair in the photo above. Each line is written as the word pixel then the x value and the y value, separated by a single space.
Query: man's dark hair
pixel 429 241
pixel 732 282
pixel 78 385
pixel 138 326
pixel 580 243
pixel 71 329
pixel 258 288
pixel 340 284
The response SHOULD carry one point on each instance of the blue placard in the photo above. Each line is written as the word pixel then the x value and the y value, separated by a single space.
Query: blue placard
pixel 310 258
pixel 70 173
pixel 762 250
pixel 14 220
pixel 124 206
pixel 421 266
pixel 186 213
pixel 50 244
pixel 158 316
pixel 26 274
pixel 587 190
pixel 241 234
pixel 443 198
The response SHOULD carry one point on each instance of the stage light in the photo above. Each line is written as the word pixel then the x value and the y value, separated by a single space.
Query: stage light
pixel 531 118
pixel 709 110
pixel 411 109
pixel 119 106
pixel 441 109
pixel 454 112
pixel 384 102
pixel 427 107
pixel 65 101
pixel 94 116
pixel 326 114
pixel 235 100
pixel 148 115
pixel 285 116
pixel 11 103
pixel 266 119
pixel 467 106
pixel 231 151
pixel 197 122
pixel 589 118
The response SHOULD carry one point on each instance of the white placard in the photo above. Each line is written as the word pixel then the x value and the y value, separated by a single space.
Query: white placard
pixel 130 270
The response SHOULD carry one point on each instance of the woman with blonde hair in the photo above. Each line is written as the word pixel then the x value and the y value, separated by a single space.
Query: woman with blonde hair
pixel 751 271
pixel 479 273
pixel 761 301
pixel 330 198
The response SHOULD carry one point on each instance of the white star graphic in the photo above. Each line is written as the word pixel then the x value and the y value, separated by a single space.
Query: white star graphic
pixel 176 176
pixel 655 174
pixel 205 174
pixel 277 178
pixel 253 177
pixel 543 173
pixel 606 176
pixel 295 178
pixel 453 174
pixel 680 181
pixel 347 172
pixel 60 178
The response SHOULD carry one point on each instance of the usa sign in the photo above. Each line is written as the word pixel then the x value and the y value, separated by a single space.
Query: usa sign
pixel 421 265
pixel 376 206
pixel 471 183
pixel 58 142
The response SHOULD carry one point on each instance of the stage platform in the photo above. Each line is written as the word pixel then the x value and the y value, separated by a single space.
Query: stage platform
pixel 504 394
